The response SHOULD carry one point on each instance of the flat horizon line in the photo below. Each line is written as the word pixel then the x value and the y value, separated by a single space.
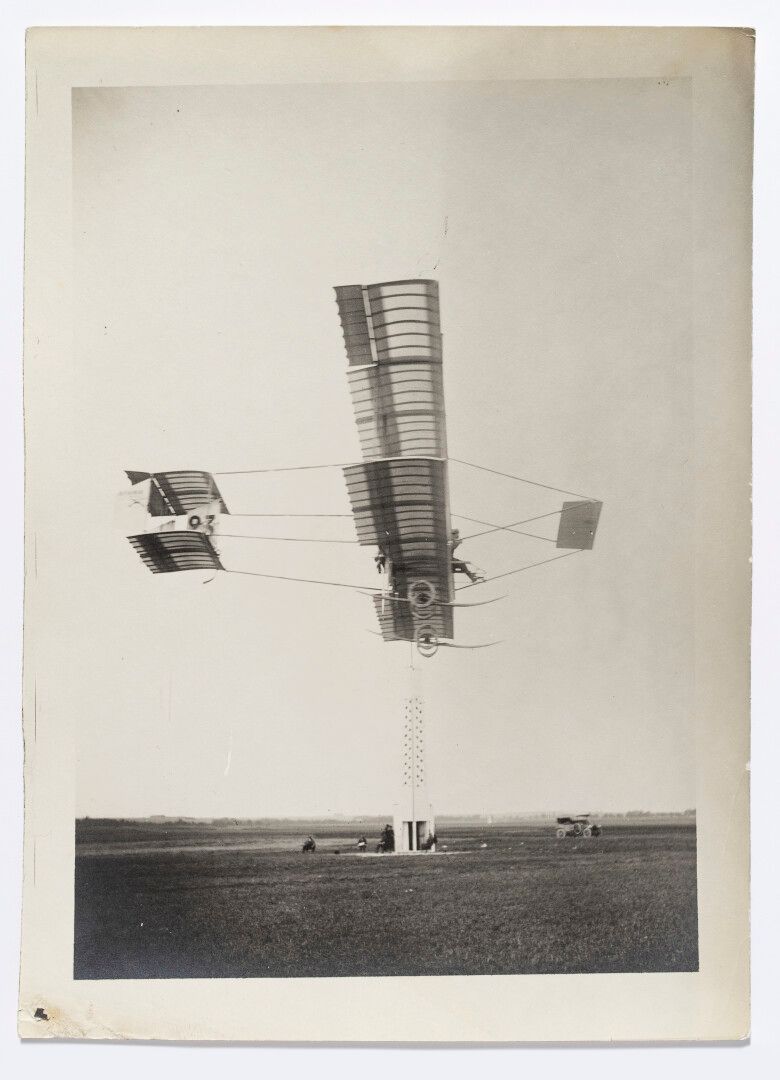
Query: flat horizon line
pixel 495 815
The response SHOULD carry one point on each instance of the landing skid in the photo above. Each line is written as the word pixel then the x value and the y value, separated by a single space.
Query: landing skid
pixel 441 644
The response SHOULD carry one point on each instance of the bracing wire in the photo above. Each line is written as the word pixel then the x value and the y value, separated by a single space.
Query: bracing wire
pixel 326 540
pixel 284 468
pixel 520 569
pixel 506 528
pixel 305 581
pixel 367 589
pixel 510 527
pixel 291 539
pixel 346 464
pixel 521 479
pixel 234 514
pixel 484 645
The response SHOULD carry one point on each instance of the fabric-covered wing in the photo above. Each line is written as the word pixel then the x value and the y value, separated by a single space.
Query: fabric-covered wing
pixel 398 622
pixel 393 319
pixel 392 336
pixel 399 496
pixel 179 492
pixel 165 552
pixel 400 507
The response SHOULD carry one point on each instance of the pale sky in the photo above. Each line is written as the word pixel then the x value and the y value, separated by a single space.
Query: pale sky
pixel 210 226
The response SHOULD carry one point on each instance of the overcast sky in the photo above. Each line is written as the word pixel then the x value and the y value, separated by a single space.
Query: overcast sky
pixel 210 226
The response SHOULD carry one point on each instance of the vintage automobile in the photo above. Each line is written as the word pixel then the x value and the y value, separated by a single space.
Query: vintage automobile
pixel 576 826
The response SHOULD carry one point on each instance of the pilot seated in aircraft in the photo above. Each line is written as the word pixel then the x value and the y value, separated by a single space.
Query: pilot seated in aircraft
pixel 459 566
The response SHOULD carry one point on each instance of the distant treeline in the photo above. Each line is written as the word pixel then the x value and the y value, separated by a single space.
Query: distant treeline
pixel 378 820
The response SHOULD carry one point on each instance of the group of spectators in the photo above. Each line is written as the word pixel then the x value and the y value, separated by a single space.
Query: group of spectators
pixel 386 842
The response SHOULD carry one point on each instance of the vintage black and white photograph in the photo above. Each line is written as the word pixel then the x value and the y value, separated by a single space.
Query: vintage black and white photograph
pixel 380 630
pixel 395 618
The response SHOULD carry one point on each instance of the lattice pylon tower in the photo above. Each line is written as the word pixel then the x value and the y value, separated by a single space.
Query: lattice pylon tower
pixel 414 822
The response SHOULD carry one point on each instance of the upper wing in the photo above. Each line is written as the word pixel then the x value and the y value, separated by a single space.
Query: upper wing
pixel 179 492
pixel 392 336
pixel 400 494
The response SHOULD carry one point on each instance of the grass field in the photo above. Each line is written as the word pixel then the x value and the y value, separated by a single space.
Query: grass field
pixel 198 900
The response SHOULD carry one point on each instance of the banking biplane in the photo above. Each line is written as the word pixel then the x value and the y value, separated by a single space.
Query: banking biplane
pixel 399 492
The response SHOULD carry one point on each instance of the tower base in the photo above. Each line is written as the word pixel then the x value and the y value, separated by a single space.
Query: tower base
pixel 414 834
